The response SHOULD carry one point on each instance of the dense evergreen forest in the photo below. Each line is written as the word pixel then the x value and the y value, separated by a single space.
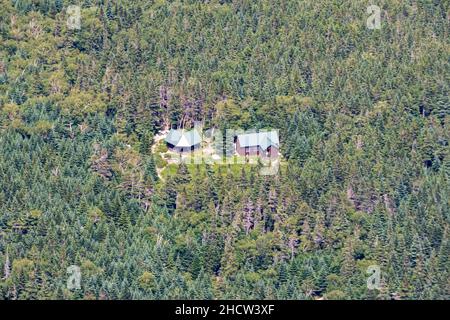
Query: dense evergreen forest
pixel 364 123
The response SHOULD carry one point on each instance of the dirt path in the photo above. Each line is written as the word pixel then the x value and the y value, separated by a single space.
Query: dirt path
pixel 160 136
pixel 156 139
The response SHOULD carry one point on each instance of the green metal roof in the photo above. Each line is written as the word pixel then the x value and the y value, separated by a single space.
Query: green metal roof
pixel 182 138
pixel 264 139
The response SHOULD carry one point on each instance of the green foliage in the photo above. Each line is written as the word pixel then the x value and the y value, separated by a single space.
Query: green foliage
pixel 363 119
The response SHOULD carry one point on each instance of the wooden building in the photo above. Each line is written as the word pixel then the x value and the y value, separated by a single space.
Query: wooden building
pixel 181 140
pixel 264 144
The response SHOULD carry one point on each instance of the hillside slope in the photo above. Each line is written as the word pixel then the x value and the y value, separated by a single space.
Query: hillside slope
pixel 364 126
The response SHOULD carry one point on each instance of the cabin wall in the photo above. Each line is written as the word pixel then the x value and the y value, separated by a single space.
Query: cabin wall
pixel 271 152
pixel 240 151
pixel 251 151
pixel 183 150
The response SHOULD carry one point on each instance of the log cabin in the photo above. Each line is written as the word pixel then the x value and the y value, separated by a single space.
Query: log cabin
pixel 181 140
pixel 264 143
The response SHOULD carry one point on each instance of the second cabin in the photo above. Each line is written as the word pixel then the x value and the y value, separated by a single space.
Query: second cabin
pixel 264 143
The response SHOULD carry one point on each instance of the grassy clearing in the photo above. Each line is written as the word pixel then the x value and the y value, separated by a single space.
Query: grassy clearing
pixel 235 168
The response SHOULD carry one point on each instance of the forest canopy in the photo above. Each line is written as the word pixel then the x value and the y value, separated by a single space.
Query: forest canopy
pixel 363 116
